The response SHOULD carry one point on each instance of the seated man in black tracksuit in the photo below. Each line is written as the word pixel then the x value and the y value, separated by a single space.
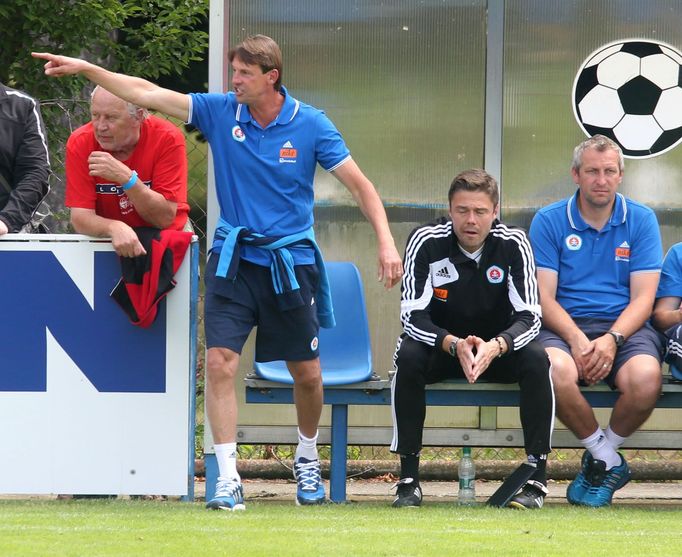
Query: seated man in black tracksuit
pixel 470 308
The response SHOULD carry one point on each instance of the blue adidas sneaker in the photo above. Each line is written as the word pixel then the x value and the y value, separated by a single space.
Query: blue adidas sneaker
pixel 578 487
pixel 604 483
pixel 310 490
pixel 229 496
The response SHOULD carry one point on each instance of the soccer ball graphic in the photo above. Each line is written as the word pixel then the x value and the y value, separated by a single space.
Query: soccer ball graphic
pixel 631 91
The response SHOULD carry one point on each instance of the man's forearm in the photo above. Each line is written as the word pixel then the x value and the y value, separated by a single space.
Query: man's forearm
pixel 557 319
pixel 634 316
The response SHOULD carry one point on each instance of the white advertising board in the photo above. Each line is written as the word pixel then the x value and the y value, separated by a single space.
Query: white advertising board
pixel 90 403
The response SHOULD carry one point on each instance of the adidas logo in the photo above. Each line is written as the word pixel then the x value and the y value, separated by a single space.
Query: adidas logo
pixel 287 145
pixel 625 245
pixel 443 273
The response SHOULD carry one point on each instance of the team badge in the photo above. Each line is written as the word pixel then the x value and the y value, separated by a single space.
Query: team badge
pixel 574 242
pixel 623 252
pixel 495 274
pixel 238 134
pixel 314 343
pixel 124 204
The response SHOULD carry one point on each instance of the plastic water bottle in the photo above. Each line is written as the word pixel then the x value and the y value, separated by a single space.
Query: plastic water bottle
pixel 467 478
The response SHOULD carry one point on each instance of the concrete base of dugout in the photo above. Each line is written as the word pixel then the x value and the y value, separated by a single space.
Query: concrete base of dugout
pixel 446 470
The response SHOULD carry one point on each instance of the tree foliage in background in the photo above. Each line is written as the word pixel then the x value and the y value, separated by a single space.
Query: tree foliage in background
pixel 147 38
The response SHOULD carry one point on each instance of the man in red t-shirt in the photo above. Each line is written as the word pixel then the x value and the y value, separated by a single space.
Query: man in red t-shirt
pixel 125 169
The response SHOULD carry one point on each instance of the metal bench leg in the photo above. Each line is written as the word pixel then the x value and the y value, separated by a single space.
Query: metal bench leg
pixel 337 468
pixel 211 467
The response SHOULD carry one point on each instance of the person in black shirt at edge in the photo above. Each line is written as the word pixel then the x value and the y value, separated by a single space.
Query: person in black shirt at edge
pixel 24 159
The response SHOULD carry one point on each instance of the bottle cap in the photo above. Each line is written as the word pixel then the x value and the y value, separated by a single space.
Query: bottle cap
pixel 466 451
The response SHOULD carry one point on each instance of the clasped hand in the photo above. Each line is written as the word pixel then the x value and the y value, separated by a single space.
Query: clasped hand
pixel 475 355
pixel 594 358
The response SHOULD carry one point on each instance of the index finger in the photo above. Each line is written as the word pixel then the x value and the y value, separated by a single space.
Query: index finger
pixel 43 55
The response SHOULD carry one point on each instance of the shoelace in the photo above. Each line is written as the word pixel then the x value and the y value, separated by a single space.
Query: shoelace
pixel 227 488
pixel 308 475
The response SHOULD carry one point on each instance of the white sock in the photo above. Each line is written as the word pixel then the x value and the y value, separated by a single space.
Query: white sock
pixel 600 449
pixel 307 447
pixel 613 438
pixel 226 455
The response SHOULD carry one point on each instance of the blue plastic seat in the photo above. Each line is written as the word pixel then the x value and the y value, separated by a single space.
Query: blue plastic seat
pixel 345 351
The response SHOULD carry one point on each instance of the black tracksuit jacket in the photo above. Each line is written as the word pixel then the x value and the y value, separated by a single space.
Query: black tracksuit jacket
pixel 24 159
pixel 444 291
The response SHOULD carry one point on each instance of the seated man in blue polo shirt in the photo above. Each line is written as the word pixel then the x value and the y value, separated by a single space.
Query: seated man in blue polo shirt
pixel 598 256
pixel 667 316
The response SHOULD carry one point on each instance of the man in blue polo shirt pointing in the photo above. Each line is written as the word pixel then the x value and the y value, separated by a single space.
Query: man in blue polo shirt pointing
pixel 265 268
pixel 598 256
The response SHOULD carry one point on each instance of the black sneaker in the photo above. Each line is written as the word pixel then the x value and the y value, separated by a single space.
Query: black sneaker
pixel 531 496
pixel 408 493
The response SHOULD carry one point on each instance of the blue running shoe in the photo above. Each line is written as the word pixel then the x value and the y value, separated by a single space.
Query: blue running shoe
pixel 310 490
pixel 229 496
pixel 604 483
pixel 578 487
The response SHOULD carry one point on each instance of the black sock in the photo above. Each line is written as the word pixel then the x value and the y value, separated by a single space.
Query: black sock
pixel 409 467
pixel 540 463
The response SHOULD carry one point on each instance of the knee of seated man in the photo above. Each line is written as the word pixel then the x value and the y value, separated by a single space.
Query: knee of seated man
pixel 412 356
pixel 642 377
pixel 564 369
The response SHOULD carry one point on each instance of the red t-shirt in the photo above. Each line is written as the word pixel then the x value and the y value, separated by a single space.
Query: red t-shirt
pixel 159 159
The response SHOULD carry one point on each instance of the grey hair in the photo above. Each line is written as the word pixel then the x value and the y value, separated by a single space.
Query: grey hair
pixel 132 108
pixel 599 143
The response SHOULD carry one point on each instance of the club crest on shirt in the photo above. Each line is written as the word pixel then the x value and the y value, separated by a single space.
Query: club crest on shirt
pixel 125 205
pixel 574 242
pixel 287 153
pixel 238 134
pixel 495 274
pixel 623 252
pixel 442 272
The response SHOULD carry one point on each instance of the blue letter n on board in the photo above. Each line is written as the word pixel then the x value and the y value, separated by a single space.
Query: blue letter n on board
pixel 38 294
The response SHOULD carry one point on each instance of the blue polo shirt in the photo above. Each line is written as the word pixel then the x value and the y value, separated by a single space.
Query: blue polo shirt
pixel 594 267
pixel 671 274
pixel 264 177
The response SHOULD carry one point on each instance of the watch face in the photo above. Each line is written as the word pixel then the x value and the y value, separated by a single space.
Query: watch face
pixel 619 338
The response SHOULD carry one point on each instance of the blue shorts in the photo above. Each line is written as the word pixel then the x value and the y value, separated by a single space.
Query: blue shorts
pixel 231 310
pixel 644 341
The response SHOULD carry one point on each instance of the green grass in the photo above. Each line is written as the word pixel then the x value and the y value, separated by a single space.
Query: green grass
pixel 139 528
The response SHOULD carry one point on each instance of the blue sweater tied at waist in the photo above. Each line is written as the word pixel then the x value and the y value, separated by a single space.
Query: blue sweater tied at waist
pixel 227 240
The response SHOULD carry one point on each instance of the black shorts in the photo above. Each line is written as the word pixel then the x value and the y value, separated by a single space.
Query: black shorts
pixel 290 335
pixel 644 341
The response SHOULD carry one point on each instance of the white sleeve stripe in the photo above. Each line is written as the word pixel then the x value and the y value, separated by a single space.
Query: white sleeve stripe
pixel 34 110
pixel 408 302
pixel 190 109
pixel 413 246
pixel 333 168
pixel 408 306
pixel 530 282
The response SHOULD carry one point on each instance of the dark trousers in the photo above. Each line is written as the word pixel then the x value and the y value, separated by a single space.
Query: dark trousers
pixel 418 365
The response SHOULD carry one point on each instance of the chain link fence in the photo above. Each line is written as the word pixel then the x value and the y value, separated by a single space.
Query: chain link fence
pixel 63 116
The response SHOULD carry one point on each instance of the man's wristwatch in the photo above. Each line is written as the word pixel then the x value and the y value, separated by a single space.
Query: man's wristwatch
pixel 618 337
pixel 452 349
